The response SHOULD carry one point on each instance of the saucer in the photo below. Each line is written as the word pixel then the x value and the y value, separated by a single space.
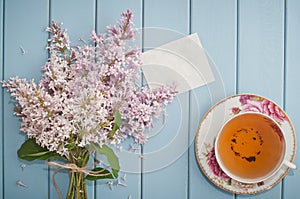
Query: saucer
pixel 211 125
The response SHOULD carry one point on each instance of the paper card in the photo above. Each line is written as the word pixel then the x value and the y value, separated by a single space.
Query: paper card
pixel 182 62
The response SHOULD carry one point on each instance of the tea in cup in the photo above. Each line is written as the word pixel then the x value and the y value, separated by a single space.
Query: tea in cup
pixel 251 147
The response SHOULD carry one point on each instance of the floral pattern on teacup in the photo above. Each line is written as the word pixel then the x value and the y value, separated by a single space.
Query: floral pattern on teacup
pixel 251 103
pixel 221 175
pixel 214 165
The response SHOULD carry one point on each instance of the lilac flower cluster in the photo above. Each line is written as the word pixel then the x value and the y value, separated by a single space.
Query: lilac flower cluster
pixel 82 90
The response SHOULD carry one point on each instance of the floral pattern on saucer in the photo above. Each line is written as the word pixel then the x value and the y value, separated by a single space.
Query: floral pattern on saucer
pixel 210 126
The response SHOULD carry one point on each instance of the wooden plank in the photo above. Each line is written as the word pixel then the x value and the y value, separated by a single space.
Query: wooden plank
pixel 108 12
pixel 261 48
pixel 1 97
pixel 260 55
pixel 292 180
pixel 24 26
pixel 78 17
pixel 217 33
pixel 165 162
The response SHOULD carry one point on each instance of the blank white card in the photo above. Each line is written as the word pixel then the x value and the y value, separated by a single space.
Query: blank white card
pixel 182 62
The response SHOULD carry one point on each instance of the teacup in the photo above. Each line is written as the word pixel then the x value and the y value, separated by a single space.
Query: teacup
pixel 251 147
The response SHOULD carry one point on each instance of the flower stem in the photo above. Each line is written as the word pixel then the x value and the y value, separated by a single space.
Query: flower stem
pixel 70 194
pixel 77 186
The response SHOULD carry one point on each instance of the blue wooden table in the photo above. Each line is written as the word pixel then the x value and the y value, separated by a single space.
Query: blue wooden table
pixel 256 49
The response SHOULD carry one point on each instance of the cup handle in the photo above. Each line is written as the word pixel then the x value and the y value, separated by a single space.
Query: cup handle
pixel 289 164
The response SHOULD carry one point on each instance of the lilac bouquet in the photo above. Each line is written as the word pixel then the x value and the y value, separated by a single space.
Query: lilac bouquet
pixel 87 99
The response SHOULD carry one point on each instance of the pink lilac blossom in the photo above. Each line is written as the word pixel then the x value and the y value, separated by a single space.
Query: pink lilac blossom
pixel 214 165
pixel 83 87
pixel 59 39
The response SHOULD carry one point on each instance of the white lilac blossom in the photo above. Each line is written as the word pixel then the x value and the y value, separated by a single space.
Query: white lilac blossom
pixel 84 87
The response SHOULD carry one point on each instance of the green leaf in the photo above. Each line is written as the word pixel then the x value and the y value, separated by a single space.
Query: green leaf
pixel 112 159
pixel 118 118
pixel 70 146
pixel 109 176
pixel 30 151
pixel 117 123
